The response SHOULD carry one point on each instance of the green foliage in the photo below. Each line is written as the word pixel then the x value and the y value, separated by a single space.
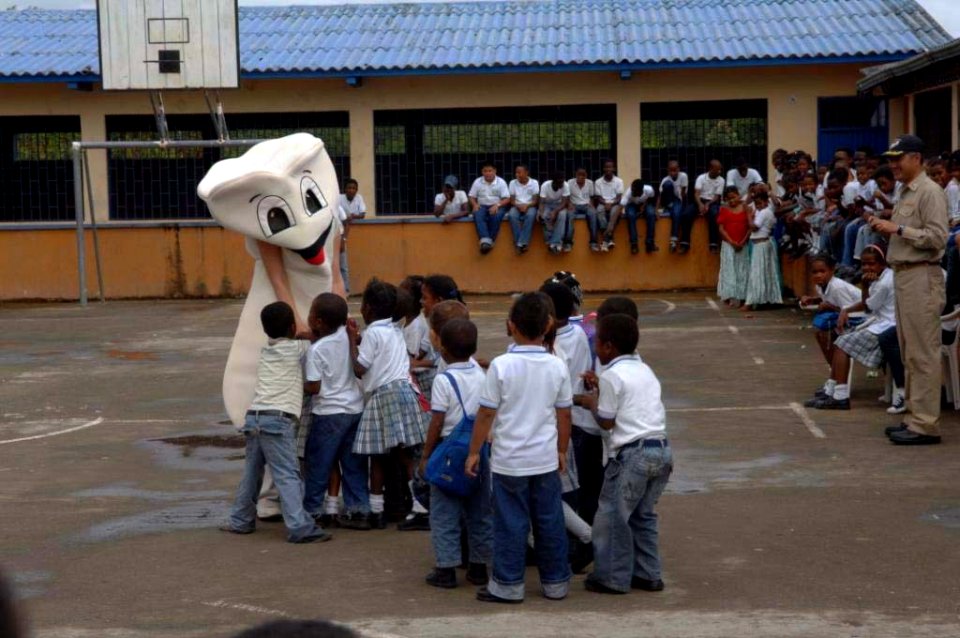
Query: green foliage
pixel 735 132
pixel 43 147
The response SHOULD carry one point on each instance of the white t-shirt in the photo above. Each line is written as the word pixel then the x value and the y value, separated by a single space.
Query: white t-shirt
pixel 574 349
pixel 526 386
pixel 414 334
pixel 355 207
pixel 453 206
pixel 551 196
pixel 630 395
pixel 581 195
pixel 679 184
pixel 882 303
pixel 709 187
pixel 629 198
pixel 280 376
pixel 470 378
pixel 953 199
pixel 608 192
pixel 524 193
pixel 765 220
pixel 840 293
pixel 743 183
pixel 328 362
pixel 489 193
pixel 383 352
pixel 855 189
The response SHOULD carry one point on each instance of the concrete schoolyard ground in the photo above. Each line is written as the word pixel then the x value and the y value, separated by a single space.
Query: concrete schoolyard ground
pixel 116 468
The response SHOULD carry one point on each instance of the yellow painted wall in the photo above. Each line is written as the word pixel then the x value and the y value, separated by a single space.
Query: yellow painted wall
pixel 791 92
pixel 210 261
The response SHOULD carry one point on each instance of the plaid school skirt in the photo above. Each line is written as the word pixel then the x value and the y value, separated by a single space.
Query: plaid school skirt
pixel 862 346
pixel 392 417
pixel 425 377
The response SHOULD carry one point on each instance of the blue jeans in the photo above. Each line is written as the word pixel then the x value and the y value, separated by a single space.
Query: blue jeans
pixel 713 211
pixel 447 513
pixel 522 225
pixel 272 441
pixel 345 270
pixel 488 224
pixel 555 231
pixel 596 221
pixel 650 213
pixel 520 501
pixel 625 529
pixel 330 445
pixel 588 453
pixel 850 241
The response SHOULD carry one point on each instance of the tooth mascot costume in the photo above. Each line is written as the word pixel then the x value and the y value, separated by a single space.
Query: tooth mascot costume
pixel 282 195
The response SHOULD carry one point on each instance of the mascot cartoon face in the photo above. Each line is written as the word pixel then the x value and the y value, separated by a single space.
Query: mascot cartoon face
pixel 281 191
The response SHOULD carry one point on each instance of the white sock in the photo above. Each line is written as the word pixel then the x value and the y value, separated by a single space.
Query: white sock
pixel 841 392
pixel 417 507
pixel 376 503
pixel 576 525
pixel 331 505
pixel 829 386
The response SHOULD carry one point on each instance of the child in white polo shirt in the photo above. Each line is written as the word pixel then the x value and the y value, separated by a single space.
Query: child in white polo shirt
pixel 554 204
pixel 526 401
pixel 524 200
pixel 608 190
pixel 626 554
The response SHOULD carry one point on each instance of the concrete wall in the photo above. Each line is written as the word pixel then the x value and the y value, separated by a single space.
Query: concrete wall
pixel 200 261
pixel 791 93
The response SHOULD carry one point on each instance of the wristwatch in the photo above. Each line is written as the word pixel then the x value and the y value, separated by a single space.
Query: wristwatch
pixel 900 230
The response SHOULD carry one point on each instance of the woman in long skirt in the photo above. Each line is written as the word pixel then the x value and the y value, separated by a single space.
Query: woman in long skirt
pixel 734 224
pixel 763 284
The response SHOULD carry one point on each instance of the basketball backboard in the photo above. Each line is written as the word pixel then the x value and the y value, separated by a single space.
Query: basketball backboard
pixel 168 44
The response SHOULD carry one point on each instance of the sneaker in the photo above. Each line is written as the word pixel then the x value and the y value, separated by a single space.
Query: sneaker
pixel 830 403
pixel 477 574
pixel 377 520
pixel 817 398
pixel 599 588
pixel 485 247
pixel 524 248
pixel 634 249
pixel 442 577
pixel 594 247
pixel 316 536
pixel 646 585
pixel 484 596
pixel 684 248
pixel 673 245
pixel 899 405
pixel 605 247
pixel 714 248
pixel 233 530
pixel 356 520
pixel 652 248
pixel 415 523
pixel 568 248
pixel 608 241
pixel 324 520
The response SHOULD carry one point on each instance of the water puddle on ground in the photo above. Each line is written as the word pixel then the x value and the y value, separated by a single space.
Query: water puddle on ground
pixel 948 517
pixel 698 471
pixel 209 451
pixel 196 515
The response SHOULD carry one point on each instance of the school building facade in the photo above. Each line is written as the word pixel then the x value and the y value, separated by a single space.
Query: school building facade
pixel 405 94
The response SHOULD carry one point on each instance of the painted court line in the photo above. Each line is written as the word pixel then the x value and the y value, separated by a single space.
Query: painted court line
pixel 256 609
pixel 713 304
pixel 759 361
pixel 90 424
pixel 735 331
pixel 807 421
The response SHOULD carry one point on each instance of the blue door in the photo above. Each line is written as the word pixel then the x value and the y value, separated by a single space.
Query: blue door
pixel 851 122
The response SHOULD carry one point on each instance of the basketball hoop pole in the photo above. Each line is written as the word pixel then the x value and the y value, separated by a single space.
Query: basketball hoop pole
pixel 77 151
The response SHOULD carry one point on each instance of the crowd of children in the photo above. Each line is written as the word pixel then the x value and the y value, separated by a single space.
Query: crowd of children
pixel 501 444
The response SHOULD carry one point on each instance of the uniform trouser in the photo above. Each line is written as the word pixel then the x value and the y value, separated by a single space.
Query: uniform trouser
pixel 920 299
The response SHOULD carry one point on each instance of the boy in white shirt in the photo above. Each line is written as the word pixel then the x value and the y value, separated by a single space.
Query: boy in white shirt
pixel 270 430
pixel 450 203
pixel 857 195
pixel 524 198
pixel 456 394
pixel 489 197
pixel 708 194
pixel 337 408
pixel 352 207
pixel 608 190
pixel 743 177
pixel 526 402
pixel 629 406
pixel 554 213
pixel 673 198
pixel 639 200
pixel 582 193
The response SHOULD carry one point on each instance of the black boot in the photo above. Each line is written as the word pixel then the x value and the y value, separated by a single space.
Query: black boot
pixel 443 577
pixel 477 574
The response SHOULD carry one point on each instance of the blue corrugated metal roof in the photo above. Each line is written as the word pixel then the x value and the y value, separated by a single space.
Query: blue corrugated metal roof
pixel 465 36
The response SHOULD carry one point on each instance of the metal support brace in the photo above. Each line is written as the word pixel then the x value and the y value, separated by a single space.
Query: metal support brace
pixel 216 114
pixel 156 101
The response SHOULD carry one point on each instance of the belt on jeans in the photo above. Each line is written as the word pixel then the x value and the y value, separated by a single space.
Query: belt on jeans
pixel 911 265
pixel 661 443
pixel 259 413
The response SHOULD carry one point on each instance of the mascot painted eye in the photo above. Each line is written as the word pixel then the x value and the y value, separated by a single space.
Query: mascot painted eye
pixel 313 198
pixel 275 215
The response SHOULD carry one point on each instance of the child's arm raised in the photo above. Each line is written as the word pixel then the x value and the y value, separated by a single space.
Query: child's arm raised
pixel 481 432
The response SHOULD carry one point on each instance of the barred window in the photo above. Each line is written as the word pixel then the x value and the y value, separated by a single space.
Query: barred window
pixel 415 150
pixel 36 171
pixel 693 133
pixel 155 183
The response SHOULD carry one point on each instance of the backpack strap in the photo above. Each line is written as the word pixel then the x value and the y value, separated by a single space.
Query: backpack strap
pixel 456 389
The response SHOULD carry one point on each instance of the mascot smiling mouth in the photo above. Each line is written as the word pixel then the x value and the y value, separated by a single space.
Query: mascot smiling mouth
pixel 314 253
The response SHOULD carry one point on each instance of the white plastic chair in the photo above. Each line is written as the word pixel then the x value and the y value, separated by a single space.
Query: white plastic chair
pixel 950 360
pixel 888 382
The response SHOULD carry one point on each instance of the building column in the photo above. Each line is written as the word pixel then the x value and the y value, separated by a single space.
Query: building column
pixel 911 115
pixel 93 129
pixel 955 115
pixel 791 125
pixel 628 140
pixel 362 154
